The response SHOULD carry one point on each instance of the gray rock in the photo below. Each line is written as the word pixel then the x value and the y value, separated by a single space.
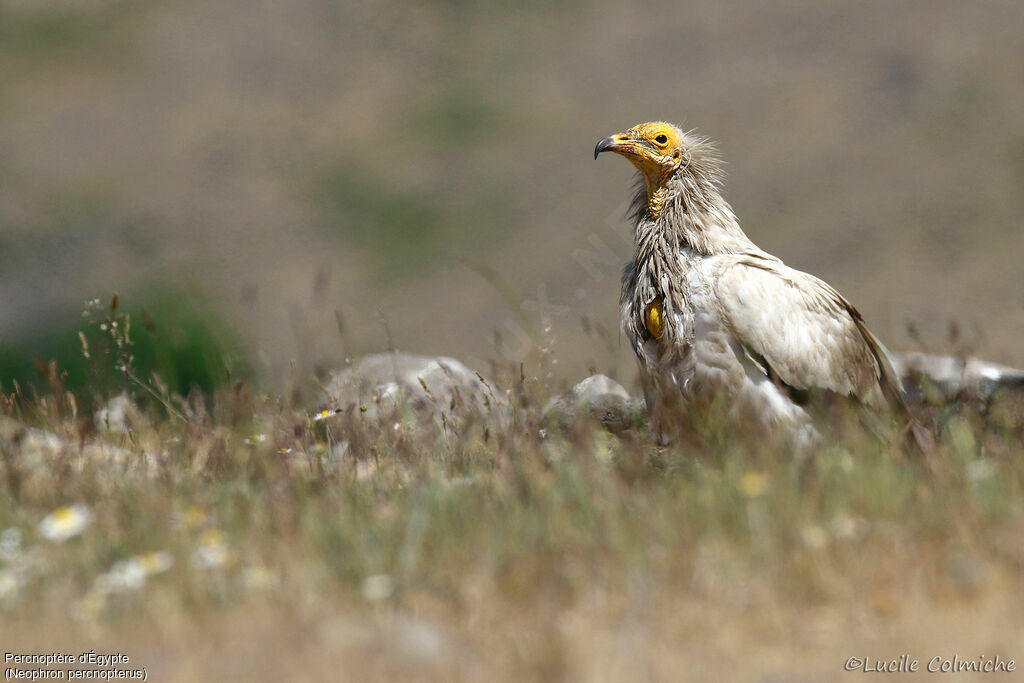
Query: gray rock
pixel 597 397
pixel 37 450
pixel 115 416
pixel 955 376
pixel 386 386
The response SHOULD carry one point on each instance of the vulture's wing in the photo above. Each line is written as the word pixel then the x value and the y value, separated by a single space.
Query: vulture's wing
pixel 803 329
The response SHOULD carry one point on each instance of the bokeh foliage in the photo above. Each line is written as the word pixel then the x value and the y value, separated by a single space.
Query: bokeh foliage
pixel 176 335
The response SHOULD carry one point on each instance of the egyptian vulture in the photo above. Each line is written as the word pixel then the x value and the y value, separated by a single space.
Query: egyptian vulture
pixel 719 325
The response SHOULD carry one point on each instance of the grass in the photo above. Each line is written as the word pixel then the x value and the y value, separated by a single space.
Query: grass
pixel 289 547
pixel 195 349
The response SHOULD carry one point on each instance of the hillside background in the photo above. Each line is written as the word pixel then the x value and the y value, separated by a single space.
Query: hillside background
pixel 430 165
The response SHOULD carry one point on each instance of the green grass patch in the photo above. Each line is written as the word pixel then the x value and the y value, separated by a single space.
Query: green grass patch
pixel 177 336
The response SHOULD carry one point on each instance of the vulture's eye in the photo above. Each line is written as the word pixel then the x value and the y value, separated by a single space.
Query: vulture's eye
pixel 661 139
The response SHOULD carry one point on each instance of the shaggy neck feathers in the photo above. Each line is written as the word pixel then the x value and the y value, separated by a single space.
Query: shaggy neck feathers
pixel 686 209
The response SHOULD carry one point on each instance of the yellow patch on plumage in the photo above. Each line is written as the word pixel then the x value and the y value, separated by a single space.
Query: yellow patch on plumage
pixel 654 318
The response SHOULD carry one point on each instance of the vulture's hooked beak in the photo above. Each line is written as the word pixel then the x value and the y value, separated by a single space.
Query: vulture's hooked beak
pixel 609 143
pixel 625 144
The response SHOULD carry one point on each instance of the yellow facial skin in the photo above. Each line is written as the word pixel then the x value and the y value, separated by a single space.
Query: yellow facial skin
pixel 656 149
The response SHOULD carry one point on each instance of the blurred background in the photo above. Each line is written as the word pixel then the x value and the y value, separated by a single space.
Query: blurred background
pixel 284 185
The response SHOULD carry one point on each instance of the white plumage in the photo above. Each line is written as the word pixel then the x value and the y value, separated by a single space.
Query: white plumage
pixel 721 327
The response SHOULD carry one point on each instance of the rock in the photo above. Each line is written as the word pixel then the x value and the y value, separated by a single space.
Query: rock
pixel 600 398
pixel 955 376
pixel 382 386
pixel 36 450
pixel 115 415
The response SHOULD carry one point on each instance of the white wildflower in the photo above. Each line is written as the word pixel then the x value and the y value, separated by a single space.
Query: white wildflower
pixel 125 576
pixel 65 522
pixel 212 552
pixel 131 574
pixel 156 562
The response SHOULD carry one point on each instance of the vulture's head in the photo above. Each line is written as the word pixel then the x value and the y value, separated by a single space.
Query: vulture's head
pixel 662 153
pixel 656 149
